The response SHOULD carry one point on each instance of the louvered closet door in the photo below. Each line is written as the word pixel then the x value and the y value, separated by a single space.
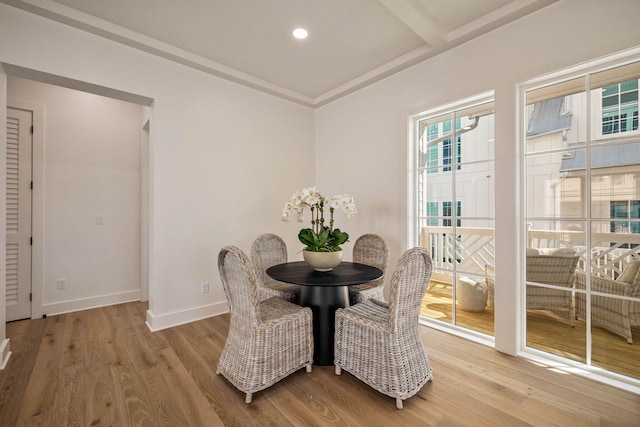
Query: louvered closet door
pixel 19 144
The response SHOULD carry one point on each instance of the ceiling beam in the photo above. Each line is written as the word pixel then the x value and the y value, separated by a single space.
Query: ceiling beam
pixel 503 15
pixel 428 30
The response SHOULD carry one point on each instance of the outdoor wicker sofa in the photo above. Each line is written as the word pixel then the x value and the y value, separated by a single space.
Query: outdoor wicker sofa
pixel 613 314
pixel 546 266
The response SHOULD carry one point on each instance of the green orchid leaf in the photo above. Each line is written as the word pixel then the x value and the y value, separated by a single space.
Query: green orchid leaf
pixel 323 237
pixel 339 237
pixel 307 237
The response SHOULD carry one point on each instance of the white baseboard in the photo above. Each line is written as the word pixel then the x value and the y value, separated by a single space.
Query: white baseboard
pixel 164 321
pixel 5 353
pixel 91 302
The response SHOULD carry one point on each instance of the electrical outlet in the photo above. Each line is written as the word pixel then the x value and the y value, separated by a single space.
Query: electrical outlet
pixel 99 219
pixel 62 283
pixel 204 287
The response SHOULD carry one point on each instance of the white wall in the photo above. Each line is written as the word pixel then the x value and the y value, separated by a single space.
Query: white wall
pixel 367 129
pixel 91 167
pixel 223 158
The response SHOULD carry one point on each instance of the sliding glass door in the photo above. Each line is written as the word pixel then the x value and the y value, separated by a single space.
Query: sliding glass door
pixel 582 218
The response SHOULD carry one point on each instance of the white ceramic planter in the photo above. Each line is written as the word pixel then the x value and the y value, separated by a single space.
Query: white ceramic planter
pixel 322 261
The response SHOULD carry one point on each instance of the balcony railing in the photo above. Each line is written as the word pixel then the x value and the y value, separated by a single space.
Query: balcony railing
pixel 472 248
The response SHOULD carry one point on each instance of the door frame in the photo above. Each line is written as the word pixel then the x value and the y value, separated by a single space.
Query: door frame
pixel 37 203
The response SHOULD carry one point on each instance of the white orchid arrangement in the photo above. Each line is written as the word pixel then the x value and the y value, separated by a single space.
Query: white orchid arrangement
pixel 320 237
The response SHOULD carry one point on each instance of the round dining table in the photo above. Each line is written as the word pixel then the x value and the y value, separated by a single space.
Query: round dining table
pixel 324 293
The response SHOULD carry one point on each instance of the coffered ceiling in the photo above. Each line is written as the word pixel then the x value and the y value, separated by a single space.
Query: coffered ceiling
pixel 351 43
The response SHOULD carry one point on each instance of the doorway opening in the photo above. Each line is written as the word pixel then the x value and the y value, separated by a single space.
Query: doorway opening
pixel 90 192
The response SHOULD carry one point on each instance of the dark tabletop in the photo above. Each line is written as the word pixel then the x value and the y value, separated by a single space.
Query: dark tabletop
pixel 345 274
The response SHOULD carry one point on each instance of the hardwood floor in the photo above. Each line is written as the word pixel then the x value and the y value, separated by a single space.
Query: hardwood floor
pixel 104 367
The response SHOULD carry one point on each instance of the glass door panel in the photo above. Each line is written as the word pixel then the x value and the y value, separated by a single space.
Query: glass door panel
pixel 455 208
pixel 582 194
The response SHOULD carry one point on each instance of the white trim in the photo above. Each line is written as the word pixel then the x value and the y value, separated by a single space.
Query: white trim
pixel 615 60
pixel 461 104
pixel 458 331
pixel 91 302
pixel 541 358
pixel 558 363
pixel 521 236
pixel 5 353
pixel 164 321
pixel 145 179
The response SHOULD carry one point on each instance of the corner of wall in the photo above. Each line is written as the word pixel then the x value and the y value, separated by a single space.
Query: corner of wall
pixel 5 354
pixel 156 323
pixel 79 304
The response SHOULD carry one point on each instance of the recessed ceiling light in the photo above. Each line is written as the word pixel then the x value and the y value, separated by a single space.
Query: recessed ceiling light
pixel 300 33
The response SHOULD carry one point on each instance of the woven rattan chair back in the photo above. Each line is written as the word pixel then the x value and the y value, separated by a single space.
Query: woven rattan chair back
pixel 407 288
pixel 240 284
pixel 370 249
pixel 266 251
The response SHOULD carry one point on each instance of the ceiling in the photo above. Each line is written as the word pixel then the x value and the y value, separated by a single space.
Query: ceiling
pixel 351 43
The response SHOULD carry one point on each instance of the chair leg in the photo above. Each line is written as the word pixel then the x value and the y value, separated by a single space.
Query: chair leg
pixel 248 398
pixel 338 370
pixel 309 368
pixel 398 403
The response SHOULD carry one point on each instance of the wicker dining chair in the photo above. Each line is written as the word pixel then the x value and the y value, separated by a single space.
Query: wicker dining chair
pixel 268 250
pixel 267 340
pixel 369 249
pixel 379 343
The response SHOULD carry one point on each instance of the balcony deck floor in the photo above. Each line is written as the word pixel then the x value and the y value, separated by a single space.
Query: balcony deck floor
pixel 546 332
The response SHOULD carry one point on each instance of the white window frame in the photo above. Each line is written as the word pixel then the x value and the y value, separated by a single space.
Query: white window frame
pixel 594 132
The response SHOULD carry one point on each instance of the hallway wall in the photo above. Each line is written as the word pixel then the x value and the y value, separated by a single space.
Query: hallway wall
pixel 91 168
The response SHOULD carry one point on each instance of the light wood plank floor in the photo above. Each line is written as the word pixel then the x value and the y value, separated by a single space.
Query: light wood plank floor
pixel 104 367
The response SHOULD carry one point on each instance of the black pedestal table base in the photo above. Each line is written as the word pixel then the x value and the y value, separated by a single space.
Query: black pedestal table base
pixel 324 301
pixel 324 293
